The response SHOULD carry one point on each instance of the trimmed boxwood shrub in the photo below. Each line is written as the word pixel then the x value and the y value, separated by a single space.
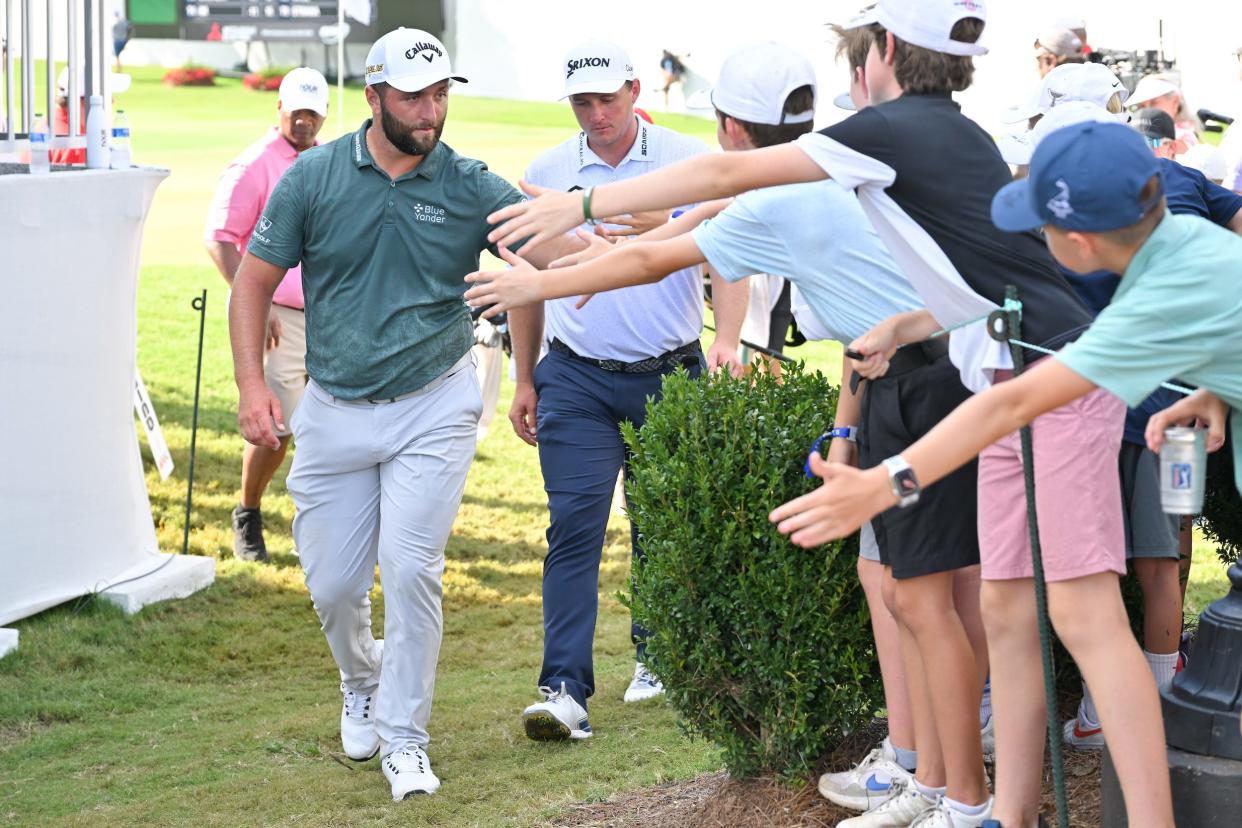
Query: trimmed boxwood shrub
pixel 765 648
pixel 1222 506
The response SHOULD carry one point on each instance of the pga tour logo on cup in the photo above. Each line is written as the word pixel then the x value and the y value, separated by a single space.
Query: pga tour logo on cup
pixel 1181 476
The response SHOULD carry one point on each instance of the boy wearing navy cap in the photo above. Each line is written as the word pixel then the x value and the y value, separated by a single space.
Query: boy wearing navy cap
pixel 1096 190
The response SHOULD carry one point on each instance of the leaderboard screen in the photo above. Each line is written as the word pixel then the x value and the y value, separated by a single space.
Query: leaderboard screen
pixel 246 20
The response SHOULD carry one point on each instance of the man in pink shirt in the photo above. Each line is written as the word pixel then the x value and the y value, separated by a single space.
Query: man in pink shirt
pixel 235 211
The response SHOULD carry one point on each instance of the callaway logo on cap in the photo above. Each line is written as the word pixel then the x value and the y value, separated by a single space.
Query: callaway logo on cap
pixel 409 60
pixel 925 23
pixel 595 66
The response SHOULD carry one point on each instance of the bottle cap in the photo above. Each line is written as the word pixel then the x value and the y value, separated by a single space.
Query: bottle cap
pixel 96 99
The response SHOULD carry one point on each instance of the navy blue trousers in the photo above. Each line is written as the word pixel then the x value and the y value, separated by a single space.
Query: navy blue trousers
pixel 581 408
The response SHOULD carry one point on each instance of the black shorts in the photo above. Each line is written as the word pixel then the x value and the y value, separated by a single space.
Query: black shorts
pixel 781 317
pixel 940 532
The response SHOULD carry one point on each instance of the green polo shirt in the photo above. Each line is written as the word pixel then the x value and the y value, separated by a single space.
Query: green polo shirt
pixel 383 261
pixel 1176 313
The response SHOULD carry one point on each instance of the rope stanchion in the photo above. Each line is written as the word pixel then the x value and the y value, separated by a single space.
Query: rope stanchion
pixel 1011 332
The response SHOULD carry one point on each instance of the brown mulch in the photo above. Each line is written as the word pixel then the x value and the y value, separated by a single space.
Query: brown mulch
pixel 715 800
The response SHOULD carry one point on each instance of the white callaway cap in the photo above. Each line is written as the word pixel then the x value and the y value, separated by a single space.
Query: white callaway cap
pixel 1151 87
pixel 1091 82
pixel 925 23
pixel 754 82
pixel 595 66
pixel 304 88
pixel 409 60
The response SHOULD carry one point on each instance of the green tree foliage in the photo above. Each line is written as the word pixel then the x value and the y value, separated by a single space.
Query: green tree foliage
pixel 1222 506
pixel 765 647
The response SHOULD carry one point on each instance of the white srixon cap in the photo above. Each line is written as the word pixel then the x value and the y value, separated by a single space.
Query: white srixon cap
pixel 925 23
pixel 595 66
pixel 755 80
pixel 304 88
pixel 1151 87
pixel 409 60
pixel 1091 82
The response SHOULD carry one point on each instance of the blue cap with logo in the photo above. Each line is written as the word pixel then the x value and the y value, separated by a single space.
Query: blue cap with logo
pixel 1087 177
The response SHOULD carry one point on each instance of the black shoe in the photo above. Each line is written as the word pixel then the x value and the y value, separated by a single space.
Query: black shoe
pixel 248 542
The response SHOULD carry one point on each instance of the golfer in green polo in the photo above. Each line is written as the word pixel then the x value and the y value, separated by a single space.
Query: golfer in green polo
pixel 386 222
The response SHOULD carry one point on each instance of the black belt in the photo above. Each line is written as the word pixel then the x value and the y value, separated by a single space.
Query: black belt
pixel 687 356
pixel 916 355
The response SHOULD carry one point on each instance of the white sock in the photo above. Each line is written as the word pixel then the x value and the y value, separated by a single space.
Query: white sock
pixel 1086 711
pixel 931 793
pixel 1163 666
pixel 968 810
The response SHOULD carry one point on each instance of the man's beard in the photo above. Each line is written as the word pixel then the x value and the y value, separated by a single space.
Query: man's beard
pixel 399 134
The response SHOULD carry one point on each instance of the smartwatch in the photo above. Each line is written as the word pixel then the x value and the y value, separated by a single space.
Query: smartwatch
pixel 901 479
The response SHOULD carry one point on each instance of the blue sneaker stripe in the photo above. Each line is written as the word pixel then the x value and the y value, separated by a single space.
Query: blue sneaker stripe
pixel 875 786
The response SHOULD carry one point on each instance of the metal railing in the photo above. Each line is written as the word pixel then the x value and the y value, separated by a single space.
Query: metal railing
pixel 81 28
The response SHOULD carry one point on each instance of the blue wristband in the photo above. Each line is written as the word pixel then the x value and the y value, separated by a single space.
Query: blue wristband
pixel 847 433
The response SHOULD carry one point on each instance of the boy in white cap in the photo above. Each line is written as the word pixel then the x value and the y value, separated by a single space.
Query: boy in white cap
pixel 384 222
pixel 926 175
pixel 241 192
pixel 603 364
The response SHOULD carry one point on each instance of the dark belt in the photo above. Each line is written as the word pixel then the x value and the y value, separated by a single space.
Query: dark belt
pixel 687 356
pixel 917 355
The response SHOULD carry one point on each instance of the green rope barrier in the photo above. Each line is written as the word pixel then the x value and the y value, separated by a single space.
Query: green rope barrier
pixel 1013 313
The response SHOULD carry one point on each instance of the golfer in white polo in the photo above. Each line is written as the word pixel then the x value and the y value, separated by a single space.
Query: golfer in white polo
pixel 386 222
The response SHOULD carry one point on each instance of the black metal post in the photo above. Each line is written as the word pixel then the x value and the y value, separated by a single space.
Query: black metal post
pixel 199 303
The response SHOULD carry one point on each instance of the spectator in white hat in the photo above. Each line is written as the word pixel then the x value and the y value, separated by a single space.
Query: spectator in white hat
pixel 385 221
pixel 1057 47
pixel 1092 83
pixel 1078 26
pixel 1162 92
pixel 241 192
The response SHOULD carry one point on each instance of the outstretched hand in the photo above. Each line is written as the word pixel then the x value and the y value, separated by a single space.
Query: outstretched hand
pixel 597 244
pixel 635 224
pixel 504 289
pixel 547 215
pixel 836 509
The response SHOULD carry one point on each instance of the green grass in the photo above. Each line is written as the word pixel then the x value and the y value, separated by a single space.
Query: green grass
pixel 221 709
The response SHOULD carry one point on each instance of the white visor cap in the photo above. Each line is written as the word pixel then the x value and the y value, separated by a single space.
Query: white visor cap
pixel 595 67
pixel 304 88
pixel 409 60
pixel 925 23
pixel 756 79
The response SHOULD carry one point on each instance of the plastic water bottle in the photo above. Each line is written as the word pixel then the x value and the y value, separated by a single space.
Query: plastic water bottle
pixel 120 142
pixel 96 135
pixel 39 164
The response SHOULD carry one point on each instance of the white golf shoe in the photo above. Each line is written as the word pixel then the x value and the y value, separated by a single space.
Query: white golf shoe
pixel 942 816
pixel 643 686
pixel 556 718
pixel 902 808
pixel 409 772
pixel 867 784
pixel 358 735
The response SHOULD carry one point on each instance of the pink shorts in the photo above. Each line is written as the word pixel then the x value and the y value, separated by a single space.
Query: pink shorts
pixel 1077 494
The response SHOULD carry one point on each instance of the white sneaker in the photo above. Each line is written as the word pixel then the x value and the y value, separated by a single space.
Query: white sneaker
pixel 556 718
pixel 987 735
pixel 409 772
pixel 643 686
pixel 1078 737
pixel 902 808
pixel 868 783
pixel 943 816
pixel 358 735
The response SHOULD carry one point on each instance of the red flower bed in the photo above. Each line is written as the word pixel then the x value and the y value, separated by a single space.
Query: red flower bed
pixel 190 76
pixel 262 83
